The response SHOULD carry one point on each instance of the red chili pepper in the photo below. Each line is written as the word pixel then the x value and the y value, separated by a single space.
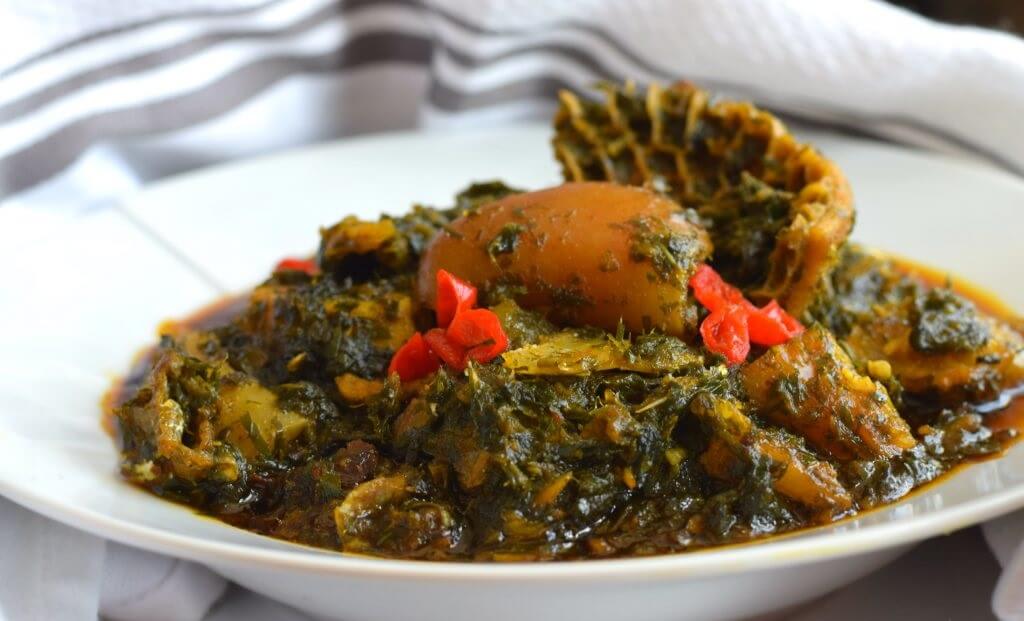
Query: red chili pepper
pixel 725 332
pixel 713 292
pixel 466 333
pixel 454 295
pixel 450 352
pixel 414 359
pixel 772 325
pixel 297 265
pixel 479 331
pixel 768 325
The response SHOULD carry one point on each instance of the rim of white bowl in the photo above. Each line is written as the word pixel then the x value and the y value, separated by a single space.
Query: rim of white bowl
pixel 801 547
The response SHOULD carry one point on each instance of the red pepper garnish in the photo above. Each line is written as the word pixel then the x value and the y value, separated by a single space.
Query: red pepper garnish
pixel 454 295
pixel 772 325
pixel 414 359
pixel 479 331
pixel 297 265
pixel 451 353
pixel 725 331
pixel 713 292
pixel 734 322
pixel 466 333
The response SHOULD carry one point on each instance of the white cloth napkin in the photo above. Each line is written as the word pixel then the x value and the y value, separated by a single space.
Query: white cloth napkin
pixel 1005 536
pixel 90 108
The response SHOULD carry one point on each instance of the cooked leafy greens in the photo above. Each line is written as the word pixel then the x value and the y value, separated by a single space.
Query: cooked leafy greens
pixel 594 434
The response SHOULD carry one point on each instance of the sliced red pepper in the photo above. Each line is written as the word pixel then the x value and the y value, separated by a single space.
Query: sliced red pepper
pixel 479 331
pixel 454 295
pixel 414 359
pixel 450 352
pixel 768 325
pixel 714 293
pixel 297 265
pixel 725 332
pixel 772 325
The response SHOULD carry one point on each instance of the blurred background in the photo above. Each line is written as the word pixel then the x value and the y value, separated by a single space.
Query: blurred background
pixel 1007 15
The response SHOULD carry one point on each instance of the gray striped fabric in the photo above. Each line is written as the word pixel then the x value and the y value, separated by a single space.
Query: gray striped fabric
pixel 117 93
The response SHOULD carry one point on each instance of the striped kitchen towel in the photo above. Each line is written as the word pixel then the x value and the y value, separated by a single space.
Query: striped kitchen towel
pixel 98 96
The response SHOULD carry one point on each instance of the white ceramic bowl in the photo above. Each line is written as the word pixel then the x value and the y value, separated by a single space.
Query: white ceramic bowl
pixel 79 298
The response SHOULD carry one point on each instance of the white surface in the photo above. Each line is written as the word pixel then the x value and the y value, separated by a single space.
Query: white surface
pixel 236 221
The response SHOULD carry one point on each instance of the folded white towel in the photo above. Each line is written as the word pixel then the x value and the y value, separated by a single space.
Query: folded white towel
pixel 142 585
pixel 47 570
pixel 1005 536
pixel 52 571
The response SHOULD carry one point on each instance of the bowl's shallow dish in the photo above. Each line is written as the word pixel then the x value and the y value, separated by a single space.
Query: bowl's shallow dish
pixel 80 298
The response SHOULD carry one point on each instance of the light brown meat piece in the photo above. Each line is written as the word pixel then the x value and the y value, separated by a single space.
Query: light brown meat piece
pixel 961 353
pixel 165 438
pixel 811 387
pixel 798 474
pixel 978 375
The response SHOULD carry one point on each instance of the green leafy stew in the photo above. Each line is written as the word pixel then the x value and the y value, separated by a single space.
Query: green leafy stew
pixel 601 430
